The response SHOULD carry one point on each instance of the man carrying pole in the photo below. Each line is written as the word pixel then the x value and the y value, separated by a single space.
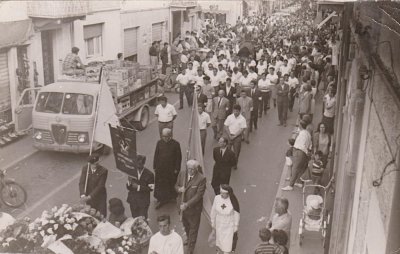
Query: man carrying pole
pixel 191 185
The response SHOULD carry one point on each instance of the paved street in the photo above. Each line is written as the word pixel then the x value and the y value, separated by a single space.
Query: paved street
pixel 52 178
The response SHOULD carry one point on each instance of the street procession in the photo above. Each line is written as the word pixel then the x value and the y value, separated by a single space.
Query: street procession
pixel 197 127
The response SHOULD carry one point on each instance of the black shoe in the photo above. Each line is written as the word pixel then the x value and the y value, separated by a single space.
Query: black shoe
pixel 235 168
pixel 185 242
pixel 180 108
pixel 247 142
pixel 279 124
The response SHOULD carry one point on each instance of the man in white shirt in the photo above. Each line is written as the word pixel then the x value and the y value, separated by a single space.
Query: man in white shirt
pixel 206 63
pixel 244 82
pixel 285 68
pixel 273 81
pixel 236 76
pixel 204 123
pixel 262 66
pixel 235 125
pixel 165 114
pixel 293 86
pixel 263 85
pixel 252 74
pixel 166 241
pixel 222 73
pixel 301 150
pixel 328 117
pixel 192 72
pixel 183 79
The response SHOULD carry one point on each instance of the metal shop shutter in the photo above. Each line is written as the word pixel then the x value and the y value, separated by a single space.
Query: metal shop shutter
pixel 5 96
pixel 130 41
pixel 92 31
pixel 156 31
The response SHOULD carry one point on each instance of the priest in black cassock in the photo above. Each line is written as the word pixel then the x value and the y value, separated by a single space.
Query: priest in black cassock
pixel 167 164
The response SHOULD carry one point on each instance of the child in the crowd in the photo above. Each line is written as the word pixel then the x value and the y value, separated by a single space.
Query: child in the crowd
pixel 289 156
pixel 316 167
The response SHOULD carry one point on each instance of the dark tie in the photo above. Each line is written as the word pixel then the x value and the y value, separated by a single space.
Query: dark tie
pixel 252 92
pixel 190 178
pixel 222 153
pixel 219 102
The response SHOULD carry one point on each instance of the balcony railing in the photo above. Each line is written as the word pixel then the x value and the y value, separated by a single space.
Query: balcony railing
pixel 184 3
pixel 57 9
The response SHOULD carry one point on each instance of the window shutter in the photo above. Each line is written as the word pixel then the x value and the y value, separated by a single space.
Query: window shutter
pixel 5 96
pixel 92 31
pixel 130 41
pixel 156 31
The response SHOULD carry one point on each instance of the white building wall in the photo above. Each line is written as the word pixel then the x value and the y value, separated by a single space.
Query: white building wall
pixel 144 20
pixel 111 35
pixel 35 56
pixel 13 11
pixel 233 8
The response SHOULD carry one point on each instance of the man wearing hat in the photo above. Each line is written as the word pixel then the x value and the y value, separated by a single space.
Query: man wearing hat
pixel 139 187
pixel 92 185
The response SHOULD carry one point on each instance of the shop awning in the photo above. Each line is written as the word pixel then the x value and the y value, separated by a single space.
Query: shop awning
pixel 15 33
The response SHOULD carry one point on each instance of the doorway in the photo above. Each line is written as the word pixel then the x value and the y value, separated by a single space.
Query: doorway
pixel 47 54
pixel 176 24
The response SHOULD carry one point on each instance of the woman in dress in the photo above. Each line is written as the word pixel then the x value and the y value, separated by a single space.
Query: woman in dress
pixel 225 215
pixel 322 141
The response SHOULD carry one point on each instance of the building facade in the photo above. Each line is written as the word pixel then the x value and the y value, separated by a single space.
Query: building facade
pixel 366 158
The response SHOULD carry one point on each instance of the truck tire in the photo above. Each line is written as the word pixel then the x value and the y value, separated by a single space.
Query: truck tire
pixel 144 118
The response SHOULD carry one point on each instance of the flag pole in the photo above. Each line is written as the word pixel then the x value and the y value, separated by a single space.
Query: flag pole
pixel 194 105
pixel 94 124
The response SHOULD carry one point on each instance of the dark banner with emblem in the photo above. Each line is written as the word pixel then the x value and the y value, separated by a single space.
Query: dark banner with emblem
pixel 124 147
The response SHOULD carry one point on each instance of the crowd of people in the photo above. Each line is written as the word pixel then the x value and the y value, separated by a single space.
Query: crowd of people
pixel 240 74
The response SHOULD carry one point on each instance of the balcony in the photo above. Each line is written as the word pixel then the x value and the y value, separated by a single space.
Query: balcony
pixel 183 3
pixel 57 9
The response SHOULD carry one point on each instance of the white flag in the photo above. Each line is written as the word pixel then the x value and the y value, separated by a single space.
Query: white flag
pixel 106 115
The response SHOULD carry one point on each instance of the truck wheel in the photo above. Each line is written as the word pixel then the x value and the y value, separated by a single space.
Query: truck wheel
pixel 144 118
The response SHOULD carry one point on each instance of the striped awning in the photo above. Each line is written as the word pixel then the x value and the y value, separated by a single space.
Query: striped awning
pixel 18 32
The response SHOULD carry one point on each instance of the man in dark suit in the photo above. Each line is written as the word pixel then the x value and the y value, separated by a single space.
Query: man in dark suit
pixel 139 187
pixel 282 100
pixel 92 185
pixel 255 94
pixel 225 160
pixel 191 185
pixel 201 97
pixel 230 94
pixel 219 113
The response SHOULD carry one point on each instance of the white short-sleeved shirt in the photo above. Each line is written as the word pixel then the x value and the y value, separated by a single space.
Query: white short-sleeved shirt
pixel 285 69
pixel 263 84
pixel 235 124
pixel 215 79
pixel 236 77
pixel 272 78
pixel 204 119
pixel 293 82
pixel 253 75
pixel 165 114
pixel 183 79
pixel 245 81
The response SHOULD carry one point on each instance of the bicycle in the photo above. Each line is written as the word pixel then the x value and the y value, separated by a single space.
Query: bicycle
pixel 12 193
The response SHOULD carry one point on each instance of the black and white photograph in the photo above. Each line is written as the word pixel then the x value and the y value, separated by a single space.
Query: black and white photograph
pixel 199 126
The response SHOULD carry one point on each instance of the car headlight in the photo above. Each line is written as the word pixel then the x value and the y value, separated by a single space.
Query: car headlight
pixel 82 138
pixel 38 135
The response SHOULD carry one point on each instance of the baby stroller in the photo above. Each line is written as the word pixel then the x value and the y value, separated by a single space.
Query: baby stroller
pixel 315 218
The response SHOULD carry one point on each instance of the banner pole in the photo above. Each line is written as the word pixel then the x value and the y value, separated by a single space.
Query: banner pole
pixel 194 106
pixel 94 124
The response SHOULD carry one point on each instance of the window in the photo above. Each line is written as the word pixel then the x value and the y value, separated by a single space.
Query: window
pixel 49 102
pixel 131 43
pixel 77 104
pixel 93 40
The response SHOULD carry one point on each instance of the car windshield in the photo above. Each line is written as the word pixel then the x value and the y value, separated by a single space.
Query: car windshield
pixel 49 102
pixel 77 104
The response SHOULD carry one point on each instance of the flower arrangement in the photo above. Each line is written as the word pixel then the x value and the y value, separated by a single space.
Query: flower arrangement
pixel 80 246
pixel 72 227
pixel 141 231
pixel 17 238
pixel 122 245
